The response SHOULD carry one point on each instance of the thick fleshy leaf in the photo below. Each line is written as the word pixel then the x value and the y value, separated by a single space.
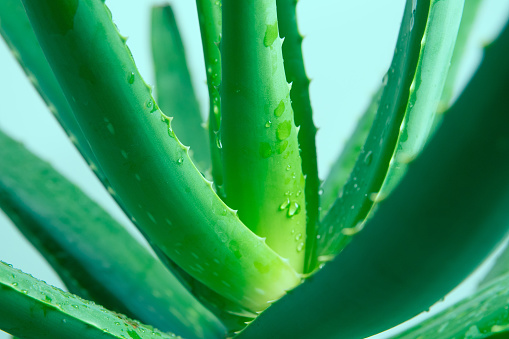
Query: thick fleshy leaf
pixel 438 225
pixel 347 215
pixel 263 177
pixel 29 308
pixel 210 18
pixel 175 93
pixel 437 48
pixel 303 113
pixel 19 36
pixel 149 170
pixel 483 315
pixel 342 167
pixel 94 255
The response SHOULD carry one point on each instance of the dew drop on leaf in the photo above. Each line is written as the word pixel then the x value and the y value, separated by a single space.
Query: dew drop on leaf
pixel 293 209
pixel 130 78
pixel 368 158
pixel 271 34
pixel 300 247
pixel 284 204
pixel 280 109
pixel 265 150
pixel 284 129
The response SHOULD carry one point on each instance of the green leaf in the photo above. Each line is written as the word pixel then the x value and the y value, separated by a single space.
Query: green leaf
pixel 470 11
pixel 175 93
pixel 342 167
pixel 408 258
pixel 482 315
pixel 29 308
pixel 210 18
pixel 95 256
pixel 263 176
pixel 434 59
pixel 149 169
pixel 346 217
pixel 303 114
pixel 500 268
pixel 19 36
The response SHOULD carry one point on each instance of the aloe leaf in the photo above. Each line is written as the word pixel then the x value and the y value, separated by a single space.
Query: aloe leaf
pixel 437 47
pixel 263 177
pixel 210 18
pixel 407 259
pixel 175 93
pixel 346 216
pixel 233 316
pixel 149 169
pixel 95 256
pixel 19 36
pixel 500 268
pixel 29 308
pixel 482 315
pixel 342 167
pixel 303 114
pixel 470 11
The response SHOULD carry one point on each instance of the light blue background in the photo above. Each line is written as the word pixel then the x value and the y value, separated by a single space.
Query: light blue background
pixel 348 46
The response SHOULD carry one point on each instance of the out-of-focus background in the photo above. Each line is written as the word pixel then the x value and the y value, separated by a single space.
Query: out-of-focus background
pixel 348 47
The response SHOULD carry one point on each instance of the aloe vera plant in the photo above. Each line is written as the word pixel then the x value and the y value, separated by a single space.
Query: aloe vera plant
pixel 245 240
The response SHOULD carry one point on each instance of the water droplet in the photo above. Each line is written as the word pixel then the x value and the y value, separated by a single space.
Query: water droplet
pixel 298 237
pixel 265 150
pixel 282 146
pixel 284 204
pixel 284 129
pixel 219 144
pixel 14 284
pixel 300 247
pixel 180 160
pixel 130 78
pixel 294 209
pixel 368 158
pixel 385 79
pixel 24 291
pixel 149 104
pixel 299 192
pixel 271 34
pixel 268 123
pixel 280 109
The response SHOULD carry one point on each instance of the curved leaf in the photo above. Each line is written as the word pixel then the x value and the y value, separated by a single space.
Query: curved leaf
pixel 303 113
pixel 149 169
pixel 408 258
pixel 483 315
pixel 210 18
pixel 29 308
pixel 95 256
pixel 175 93
pixel 347 215
pixel 263 176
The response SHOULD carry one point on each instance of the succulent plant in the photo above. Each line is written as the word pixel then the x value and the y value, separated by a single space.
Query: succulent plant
pixel 245 240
